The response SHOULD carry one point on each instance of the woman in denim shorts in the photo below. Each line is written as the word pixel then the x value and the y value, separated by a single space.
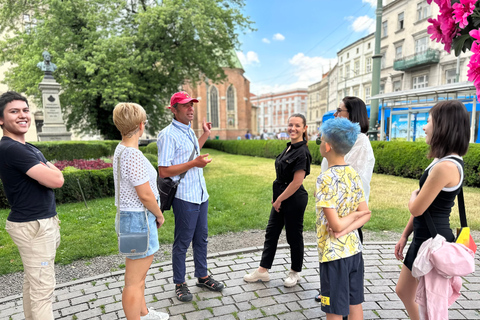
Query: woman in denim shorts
pixel 137 192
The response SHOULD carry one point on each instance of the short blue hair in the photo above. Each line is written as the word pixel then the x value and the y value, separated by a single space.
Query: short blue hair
pixel 340 133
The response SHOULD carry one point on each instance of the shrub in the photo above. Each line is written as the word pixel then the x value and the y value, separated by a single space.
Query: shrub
pixel 151 148
pixel 399 158
pixel 70 150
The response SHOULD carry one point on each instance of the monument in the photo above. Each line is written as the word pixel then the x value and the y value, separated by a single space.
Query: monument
pixel 54 128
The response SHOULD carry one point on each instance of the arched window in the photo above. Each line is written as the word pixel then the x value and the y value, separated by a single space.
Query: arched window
pixel 231 108
pixel 213 108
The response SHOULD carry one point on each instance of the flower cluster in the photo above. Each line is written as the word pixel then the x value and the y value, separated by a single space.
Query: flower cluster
pixel 454 26
pixel 83 164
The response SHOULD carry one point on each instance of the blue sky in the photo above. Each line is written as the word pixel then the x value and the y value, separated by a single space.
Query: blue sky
pixel 295 39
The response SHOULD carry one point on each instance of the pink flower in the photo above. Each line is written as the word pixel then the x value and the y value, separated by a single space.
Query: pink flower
pixel 475 34
pixel 462 10
pixel 473 72
pixel 434 30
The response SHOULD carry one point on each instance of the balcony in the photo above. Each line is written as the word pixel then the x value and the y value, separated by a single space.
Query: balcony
pixel 430 56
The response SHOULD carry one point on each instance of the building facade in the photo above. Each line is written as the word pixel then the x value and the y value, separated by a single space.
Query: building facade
pixel 317 104
pixel 274 109
pixel 226 105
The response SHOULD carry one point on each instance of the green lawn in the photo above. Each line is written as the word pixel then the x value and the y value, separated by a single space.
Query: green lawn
pixel 240 195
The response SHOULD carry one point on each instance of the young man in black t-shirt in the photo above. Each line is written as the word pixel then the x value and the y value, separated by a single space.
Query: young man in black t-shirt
pixel 33 225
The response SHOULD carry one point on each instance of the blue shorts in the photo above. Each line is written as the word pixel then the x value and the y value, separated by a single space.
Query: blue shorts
pixel 341 284
pixel 134 221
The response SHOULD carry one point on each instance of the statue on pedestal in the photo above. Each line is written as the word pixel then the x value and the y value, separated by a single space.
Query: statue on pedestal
pixel 46 65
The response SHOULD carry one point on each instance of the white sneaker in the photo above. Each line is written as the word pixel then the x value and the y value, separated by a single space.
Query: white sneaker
pixel 292 279
pixel 155 315
pixel 257 276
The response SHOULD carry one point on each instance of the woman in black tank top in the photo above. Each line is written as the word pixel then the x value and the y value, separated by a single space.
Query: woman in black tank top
pixel 448 133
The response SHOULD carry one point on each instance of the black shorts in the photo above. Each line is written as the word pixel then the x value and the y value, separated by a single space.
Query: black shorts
pixel 341 284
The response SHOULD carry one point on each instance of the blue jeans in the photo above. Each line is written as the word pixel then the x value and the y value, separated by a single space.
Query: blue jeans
pixel 191 226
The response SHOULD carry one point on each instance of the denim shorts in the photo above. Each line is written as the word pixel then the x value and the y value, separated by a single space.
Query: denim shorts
pixel 134 221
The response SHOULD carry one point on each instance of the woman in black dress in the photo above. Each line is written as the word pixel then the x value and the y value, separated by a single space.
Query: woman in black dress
pixel 448 133
pixel 288 203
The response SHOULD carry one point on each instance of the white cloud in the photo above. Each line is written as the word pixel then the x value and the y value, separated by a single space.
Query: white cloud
pixel 246 59
pixel 278 37
pixel 265 40
pixel 363 23
pixel 306 71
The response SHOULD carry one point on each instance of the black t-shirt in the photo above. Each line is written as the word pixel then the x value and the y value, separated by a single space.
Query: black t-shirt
pixel 297 158
pixel 28 199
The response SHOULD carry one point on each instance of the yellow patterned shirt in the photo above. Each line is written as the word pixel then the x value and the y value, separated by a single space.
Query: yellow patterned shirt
pixel 340 188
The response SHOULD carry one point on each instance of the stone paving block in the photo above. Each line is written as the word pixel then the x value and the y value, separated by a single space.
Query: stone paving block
pixel 308 303
pixel 113 307
pixel 293 316
pixel 209 295
pixel 373 268
pixel 309 272
pixel 224 317
pixel 89 314
pixel 6 313
pixel 100 302
pixel 472 286
pixel 239 267
pixel 223 310
pixel 177 317
pixel 311 265
pixel 369 314
pixel 470 314
pixel 160 305
pixel 222 277
pixel 375 297
pixel 93 289
pixel 246 296
pixel 293 306
pixel 223 263
pixel 286 297
pixel 455 314
pixel 370 305
pixel 249 314
pixel 232 290
pixel 84 298
pixel 263 302
pixel 244 260
pixel 267 292
pixel 237 274
pixel 380 289
pixel 109 316
pixel 469 304
pixel 310 285
pixel 180 309
pixel 368 257
pixel 390 275
pixel 7 305
pixel 244 306
pixel 471 295
pixel 110 292
pixel 391 305
pixel 235 282
pixel 70 295
pixel 59 305
pixel 389 268
pixel 292 289
pixel 211 303
pixel 218 270
pixel 392 296
pixel 314 313
pixel 198 315
pixel 74 309
pixel 472 279
pixel 309 294
pixel 253 286
pixel 381 282
pixel 274 310
pixel 392 314
pixel 268 318
pixel 372 275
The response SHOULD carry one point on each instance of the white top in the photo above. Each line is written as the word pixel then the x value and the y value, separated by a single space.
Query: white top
pixel 135 170
pixel 362 159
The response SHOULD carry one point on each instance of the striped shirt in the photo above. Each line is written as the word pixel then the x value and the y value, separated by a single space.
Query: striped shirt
pixel 175 144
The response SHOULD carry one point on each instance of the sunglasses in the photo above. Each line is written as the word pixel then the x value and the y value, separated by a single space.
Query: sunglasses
pixel 340 110
pixel 319 140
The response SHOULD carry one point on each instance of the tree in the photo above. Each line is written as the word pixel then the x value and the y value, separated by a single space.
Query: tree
pixel 110 51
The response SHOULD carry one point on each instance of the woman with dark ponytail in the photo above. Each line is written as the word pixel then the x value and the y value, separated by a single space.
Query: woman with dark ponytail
pixel 288 203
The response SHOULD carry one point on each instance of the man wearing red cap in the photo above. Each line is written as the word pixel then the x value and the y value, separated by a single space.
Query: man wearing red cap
pixel 178 152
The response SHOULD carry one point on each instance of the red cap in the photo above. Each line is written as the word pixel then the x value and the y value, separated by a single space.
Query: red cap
pixel 181 97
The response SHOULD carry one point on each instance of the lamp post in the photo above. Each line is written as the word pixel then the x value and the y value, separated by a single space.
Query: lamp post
pixel 377 57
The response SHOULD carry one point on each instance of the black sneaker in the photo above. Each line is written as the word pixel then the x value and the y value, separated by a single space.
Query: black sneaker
pixel 182 292
pixel 210 283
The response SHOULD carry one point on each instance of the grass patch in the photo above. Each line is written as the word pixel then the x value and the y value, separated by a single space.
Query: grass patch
pixel 240 189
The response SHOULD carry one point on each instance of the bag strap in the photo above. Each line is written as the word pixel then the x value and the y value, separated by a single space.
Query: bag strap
pixel 461 212
pixel 119 177
pixel 184 173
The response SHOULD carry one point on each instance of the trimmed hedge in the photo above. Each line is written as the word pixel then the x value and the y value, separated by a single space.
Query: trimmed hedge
pixel 94 183
pixel 70 150
pixel 399 158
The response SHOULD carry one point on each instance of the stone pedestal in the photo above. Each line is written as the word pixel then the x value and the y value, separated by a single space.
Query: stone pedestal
pixel 54 128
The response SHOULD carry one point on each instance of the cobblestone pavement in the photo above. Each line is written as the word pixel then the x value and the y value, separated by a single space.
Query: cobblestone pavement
pixel 99 297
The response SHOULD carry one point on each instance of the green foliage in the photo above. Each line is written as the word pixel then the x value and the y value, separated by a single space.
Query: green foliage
pixel 70 150
pixel 111 51
pixel 151 148
pixel 399 158
pixel 259 148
